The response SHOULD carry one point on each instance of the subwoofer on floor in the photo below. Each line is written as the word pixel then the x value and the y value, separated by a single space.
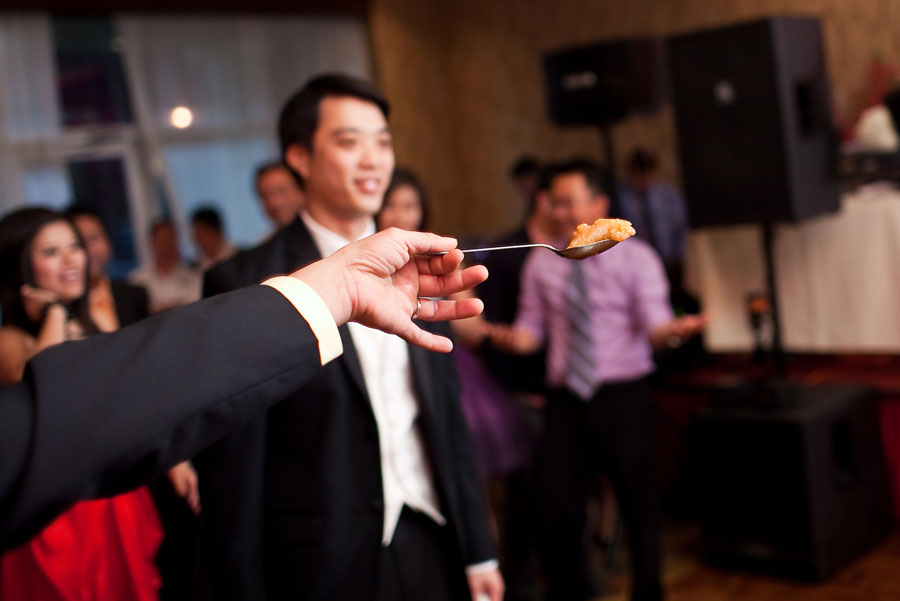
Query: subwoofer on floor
pixel 796 489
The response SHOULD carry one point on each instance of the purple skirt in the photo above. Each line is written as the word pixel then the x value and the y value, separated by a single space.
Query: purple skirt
pixel 499 433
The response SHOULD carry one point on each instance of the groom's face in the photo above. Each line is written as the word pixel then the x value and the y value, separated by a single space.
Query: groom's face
pixel 351 160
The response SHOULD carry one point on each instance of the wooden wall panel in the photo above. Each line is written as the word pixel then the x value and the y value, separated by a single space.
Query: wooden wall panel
pixel 466 81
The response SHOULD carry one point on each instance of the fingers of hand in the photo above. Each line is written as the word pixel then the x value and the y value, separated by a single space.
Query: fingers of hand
pixel 422 242
pixel 433 342
pixel 37 294
pixel 439 264
pixel 453 282
pixel 441 310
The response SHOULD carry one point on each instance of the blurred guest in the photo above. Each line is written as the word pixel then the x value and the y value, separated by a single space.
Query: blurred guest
pixel 101 550
pixel 279 192
pixel 521 376
pixel 525 174
pixel 114 303
pixel 168 281
pixel 209 237
pixel 405 203
pixel 486 404
pixel 501 292
pixel 656 208
pixel 600 319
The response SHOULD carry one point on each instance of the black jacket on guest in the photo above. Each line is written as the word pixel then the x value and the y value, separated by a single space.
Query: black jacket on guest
pixel 293 504
pixel 132 302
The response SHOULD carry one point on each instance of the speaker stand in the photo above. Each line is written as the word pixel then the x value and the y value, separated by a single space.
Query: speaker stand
pixel 777 351
pixel 609 150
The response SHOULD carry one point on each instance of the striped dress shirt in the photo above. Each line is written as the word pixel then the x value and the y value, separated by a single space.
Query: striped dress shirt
pixel 627 296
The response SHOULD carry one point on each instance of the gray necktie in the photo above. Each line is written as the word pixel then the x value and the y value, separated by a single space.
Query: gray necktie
pixel 581 369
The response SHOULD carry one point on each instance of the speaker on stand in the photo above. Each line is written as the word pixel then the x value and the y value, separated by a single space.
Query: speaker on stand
pixel 793 477
pixel 603 83
pixel 755 136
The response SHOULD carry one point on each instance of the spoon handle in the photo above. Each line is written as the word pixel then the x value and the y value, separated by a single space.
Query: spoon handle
pixel 512 247
pixel 490 248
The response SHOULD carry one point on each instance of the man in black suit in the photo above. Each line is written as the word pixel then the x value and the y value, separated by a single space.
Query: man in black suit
pixel 100 416
pixel 361 485
pixel 523 375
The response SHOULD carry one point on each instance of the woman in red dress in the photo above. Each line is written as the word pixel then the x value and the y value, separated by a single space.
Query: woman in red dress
pixel 100 550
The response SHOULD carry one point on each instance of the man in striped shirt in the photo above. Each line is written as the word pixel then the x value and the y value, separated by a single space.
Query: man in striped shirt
pixel 600 319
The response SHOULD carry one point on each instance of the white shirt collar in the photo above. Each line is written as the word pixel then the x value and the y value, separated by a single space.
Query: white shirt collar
pixel 327 241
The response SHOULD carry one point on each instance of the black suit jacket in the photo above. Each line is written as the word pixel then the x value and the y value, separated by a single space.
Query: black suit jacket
pixel 293 504
pixel 132 302
pixel 103 415
pixel 500 294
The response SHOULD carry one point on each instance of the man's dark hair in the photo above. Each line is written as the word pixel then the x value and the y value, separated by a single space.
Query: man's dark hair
pixel 266 167
pixel 209 216
pixel 546 175
pixel 300 115
pixel 81 210
pixel 594 174
pixel 525 165
pixel 642 161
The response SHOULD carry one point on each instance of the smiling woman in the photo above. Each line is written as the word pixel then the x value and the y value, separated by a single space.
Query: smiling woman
pixel 42 288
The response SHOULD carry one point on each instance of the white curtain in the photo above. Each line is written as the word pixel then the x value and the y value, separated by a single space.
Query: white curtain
pixel 233 74
pixel 30 171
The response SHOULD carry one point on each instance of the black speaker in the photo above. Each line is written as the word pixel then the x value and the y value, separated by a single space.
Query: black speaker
pixel 754 123
pixel 603 83
pixel 797 489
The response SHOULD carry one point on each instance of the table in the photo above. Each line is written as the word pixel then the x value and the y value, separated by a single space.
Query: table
pixel 838 278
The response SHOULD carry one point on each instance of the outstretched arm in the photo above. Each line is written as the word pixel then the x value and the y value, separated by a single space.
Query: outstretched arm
pixel 105 414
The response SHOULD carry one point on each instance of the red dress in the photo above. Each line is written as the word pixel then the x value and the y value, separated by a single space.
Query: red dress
pixel 101 550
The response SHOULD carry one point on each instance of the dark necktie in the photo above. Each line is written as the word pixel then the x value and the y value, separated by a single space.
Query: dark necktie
pixel 581 369
pixel 643 207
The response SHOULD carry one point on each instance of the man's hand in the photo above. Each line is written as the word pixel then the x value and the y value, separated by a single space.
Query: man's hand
pixel 513 340
pixel 184 481
pixel 674 333
pixel 377 282
pixel 486 586
pixel 35 300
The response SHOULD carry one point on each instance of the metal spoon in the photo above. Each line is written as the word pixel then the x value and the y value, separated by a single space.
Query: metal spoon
pixel 576 252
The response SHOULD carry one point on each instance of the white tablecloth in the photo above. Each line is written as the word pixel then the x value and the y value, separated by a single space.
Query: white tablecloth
pixel 838 278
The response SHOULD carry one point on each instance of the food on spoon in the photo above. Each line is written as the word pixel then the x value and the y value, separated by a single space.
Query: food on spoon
pixel 602 229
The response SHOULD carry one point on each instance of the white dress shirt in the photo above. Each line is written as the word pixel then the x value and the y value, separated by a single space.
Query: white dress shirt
pixel 384 358
pixel 182 285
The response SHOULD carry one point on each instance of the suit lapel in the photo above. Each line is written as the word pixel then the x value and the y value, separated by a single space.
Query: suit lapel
pixel 300 250
pixel 351 361
pixel 418 359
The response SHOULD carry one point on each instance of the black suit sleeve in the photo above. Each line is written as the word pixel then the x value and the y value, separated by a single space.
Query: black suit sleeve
pixel 230 474
pixel 103 415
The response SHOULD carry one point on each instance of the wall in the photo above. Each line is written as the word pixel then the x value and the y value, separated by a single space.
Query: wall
pixel 467 86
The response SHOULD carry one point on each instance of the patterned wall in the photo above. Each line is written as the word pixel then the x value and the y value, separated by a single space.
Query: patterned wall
pixel 466 82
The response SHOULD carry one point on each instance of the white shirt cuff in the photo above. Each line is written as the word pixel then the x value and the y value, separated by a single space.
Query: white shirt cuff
pixel 480 568
pixel 312 308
